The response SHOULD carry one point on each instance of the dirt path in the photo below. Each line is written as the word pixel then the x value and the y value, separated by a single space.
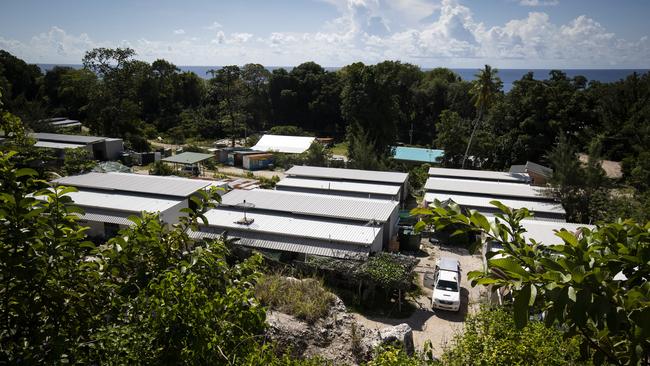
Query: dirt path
pixel 233 171
pixel 436 326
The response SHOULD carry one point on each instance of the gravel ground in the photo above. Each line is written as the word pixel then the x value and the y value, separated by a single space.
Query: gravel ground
pixel 436 326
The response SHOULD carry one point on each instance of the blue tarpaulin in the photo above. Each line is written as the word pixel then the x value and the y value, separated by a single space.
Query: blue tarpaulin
pixel 417 154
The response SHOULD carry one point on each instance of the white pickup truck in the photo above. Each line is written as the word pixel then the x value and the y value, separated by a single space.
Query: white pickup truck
pixel 446 285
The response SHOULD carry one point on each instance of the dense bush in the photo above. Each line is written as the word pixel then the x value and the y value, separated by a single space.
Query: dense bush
pixel 305 299
pixel 491 338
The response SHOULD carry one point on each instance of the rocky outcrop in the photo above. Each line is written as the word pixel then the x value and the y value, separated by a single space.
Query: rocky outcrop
pixel 337 337
pixel 401 333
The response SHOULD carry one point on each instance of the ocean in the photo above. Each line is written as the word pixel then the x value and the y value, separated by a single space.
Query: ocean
pixel 508 76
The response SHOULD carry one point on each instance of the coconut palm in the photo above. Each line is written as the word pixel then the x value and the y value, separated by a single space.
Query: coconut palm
pixel 484 91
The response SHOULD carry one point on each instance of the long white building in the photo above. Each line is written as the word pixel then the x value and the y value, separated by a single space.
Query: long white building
pixel 288 233
pixel 473 189
pixel 372 177
pixel 340 188
pixel 329 208
pixel 109 199
pixel 483 175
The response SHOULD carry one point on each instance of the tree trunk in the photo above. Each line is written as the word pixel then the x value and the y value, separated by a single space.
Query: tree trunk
pixel 471 137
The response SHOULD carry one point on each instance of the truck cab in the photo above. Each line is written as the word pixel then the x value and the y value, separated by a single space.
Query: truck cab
pixel 446 285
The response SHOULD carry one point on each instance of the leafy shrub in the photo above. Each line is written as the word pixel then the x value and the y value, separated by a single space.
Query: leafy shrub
pixel 305 299
pixel 394 356
pixel 490 337
pixel 160 168
pixel 288 130
pixel 267 183
pixel 77 161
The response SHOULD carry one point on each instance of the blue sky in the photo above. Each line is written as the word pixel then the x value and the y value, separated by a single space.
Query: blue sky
pixel 452 33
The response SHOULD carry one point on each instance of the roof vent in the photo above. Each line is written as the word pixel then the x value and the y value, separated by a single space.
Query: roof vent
pixel 245 220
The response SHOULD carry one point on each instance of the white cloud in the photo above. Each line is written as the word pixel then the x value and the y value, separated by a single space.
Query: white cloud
pixel 539 2
pixel 179 31
pixel 366 30
pixel 214 26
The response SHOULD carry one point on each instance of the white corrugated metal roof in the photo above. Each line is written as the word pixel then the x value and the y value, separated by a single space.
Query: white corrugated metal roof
pixel 128 182
pixel 284 144
pixel 57 145
pixel 347 174
pixel 327 185
pixel 543 231
pixel 479 175
pixel 122 202
pixel 314 204
pixel 484 202
pixel 108 217
pixel 295 227
pixel 73 139
pixel 484 188
pixel 290 244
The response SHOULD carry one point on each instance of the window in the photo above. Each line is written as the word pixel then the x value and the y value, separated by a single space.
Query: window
pixel 447 285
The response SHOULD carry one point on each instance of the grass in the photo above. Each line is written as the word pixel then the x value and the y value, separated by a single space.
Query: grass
pixel 306 299
pixel 340 149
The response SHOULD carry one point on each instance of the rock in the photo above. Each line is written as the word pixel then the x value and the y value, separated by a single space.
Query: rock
pixel 401 333
pixel 338 337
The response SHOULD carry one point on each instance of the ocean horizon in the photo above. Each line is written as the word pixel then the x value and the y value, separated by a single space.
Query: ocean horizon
pixel 508 76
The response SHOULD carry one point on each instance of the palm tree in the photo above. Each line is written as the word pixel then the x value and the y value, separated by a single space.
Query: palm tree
pixel 484 91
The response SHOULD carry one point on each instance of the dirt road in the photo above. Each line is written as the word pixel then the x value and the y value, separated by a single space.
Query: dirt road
pixel 437 326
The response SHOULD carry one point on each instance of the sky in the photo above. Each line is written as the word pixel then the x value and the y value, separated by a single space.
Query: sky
pixel 429 33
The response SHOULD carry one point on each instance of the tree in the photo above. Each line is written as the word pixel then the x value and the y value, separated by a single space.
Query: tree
pixel 490 337
pixel 362 153
pixel 581 188
pixel 592 284
pixel 370 108
pixel 104 61
pixel 226 92
pixel 316 155
pixel 115 108
pixel 451 137
pixel 44 307
pixel 484 91
pixel 256 80
pixel 287 130
pixel 76 161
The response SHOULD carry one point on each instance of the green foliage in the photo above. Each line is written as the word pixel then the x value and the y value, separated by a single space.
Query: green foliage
pixel 395 356
pixel 583 189
pixel 490 337
pixel 77 161
pixel 485 90
pixel 362 153
pixel 572 280
pixel 418 176
pixel 452 137
pixel 226 94
pixel 267 183
pixel 316 155
pixel 161 168
pixel 45 305
pixel 305 299
pixel 389 271
pixel 287 130
pixel 151 295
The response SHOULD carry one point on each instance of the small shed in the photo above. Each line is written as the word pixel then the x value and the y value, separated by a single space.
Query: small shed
pixel 257 161
pixel 190 161
pixel 236 157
